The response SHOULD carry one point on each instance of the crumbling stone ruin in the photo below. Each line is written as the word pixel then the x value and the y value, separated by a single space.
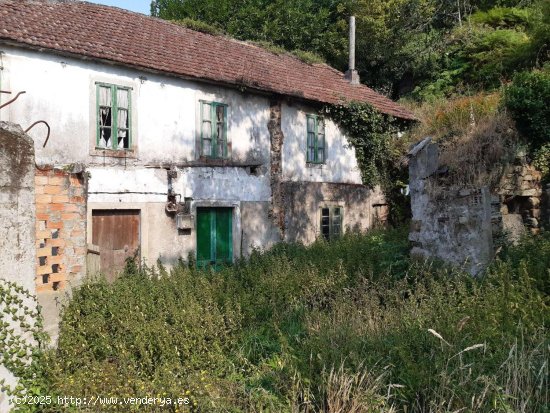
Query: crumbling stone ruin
pixel 464 226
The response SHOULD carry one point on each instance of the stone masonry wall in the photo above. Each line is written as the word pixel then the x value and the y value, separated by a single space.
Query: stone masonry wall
pixel 450 224
pixel 60 229
pixel 520 192
pixel 277 210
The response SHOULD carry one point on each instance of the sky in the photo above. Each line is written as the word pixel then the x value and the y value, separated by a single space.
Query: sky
pixel 141 6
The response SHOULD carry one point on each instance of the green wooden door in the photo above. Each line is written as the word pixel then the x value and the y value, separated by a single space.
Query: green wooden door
pixel 214 237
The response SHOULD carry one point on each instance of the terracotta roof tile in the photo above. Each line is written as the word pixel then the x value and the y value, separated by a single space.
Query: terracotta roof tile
pixel 127 38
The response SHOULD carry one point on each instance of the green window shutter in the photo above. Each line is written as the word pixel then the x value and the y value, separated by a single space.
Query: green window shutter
pixel 311 126
pixel 321 149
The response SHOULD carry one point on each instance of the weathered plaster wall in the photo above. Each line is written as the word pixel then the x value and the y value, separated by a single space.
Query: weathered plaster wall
pixel 258 231
pixel 450 224
pixel 341 164
pixel 17 252
pixel 165 115
pixel 165 120
pixel 303 200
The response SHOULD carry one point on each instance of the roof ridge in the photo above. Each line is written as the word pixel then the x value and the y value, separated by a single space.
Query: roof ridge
pixel 137 40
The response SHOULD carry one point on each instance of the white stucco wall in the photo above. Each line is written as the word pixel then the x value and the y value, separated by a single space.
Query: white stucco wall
pixel 165 118
pixel 341 164
pixel 164 110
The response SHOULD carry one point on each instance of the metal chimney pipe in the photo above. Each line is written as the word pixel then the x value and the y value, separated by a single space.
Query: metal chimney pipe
pixel 352 43
pixel 351 75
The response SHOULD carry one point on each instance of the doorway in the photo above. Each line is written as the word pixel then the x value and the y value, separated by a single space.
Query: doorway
pixel 117 234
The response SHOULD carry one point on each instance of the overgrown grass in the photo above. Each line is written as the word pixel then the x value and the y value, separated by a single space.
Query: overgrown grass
pixel 350 326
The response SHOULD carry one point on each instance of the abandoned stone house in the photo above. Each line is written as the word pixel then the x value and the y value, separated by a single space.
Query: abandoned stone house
pixel 167 142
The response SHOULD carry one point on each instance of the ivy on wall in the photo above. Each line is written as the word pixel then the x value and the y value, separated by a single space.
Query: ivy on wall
pixel 373 135
pixel 378 149
pixel 21 342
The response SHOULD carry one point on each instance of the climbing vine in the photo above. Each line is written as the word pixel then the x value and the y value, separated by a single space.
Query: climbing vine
pixel 21 341
pixel 378 148
pixel 372 134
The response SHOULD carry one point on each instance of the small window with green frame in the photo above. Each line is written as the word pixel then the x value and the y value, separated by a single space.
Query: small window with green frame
pixel 113 117
pixel 316 146
pixel 213 131
pixel 331 222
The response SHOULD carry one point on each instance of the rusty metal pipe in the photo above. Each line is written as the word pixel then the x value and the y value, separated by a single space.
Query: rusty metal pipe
pixel 36 123
pixel 13 100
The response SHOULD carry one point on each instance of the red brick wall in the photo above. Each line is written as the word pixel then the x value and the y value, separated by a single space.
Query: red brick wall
pixel 60 228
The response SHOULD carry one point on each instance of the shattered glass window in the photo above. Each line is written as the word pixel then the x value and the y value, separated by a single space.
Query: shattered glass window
pixel 113 117
pixel 105 117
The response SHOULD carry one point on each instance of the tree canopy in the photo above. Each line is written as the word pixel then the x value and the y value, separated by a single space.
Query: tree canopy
pixel 420 48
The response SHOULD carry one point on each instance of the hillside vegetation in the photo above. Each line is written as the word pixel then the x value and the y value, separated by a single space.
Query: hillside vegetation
pixel 348 326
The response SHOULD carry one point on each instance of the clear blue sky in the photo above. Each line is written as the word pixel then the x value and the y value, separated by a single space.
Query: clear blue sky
pixel 141 6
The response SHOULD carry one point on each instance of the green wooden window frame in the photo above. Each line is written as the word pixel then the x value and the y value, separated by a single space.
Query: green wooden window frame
pixel 331 221
pixel 213 129
pixel 114 118
pixel 316 144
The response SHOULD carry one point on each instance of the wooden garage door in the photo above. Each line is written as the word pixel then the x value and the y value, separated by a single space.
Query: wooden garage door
pixel 116 233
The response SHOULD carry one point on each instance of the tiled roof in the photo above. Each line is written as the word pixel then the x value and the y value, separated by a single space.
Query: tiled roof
pixel 123 37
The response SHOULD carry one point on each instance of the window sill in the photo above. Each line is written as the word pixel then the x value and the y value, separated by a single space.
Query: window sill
pixel 114 153
pixel 315 165
pixel 204 160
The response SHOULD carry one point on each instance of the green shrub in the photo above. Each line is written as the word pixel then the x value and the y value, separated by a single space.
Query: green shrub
pixel 527 101
pixel 351 325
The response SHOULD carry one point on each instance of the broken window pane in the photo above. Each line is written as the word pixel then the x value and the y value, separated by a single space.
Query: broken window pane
pixel 105 116
pixel 113 117
pixel 123 129
pixel 220 114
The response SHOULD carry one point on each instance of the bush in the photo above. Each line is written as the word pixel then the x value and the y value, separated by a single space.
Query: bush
pixel 527 101
pixel 351 326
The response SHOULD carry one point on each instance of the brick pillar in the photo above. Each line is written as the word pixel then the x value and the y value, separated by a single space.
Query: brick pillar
pixel 60 228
